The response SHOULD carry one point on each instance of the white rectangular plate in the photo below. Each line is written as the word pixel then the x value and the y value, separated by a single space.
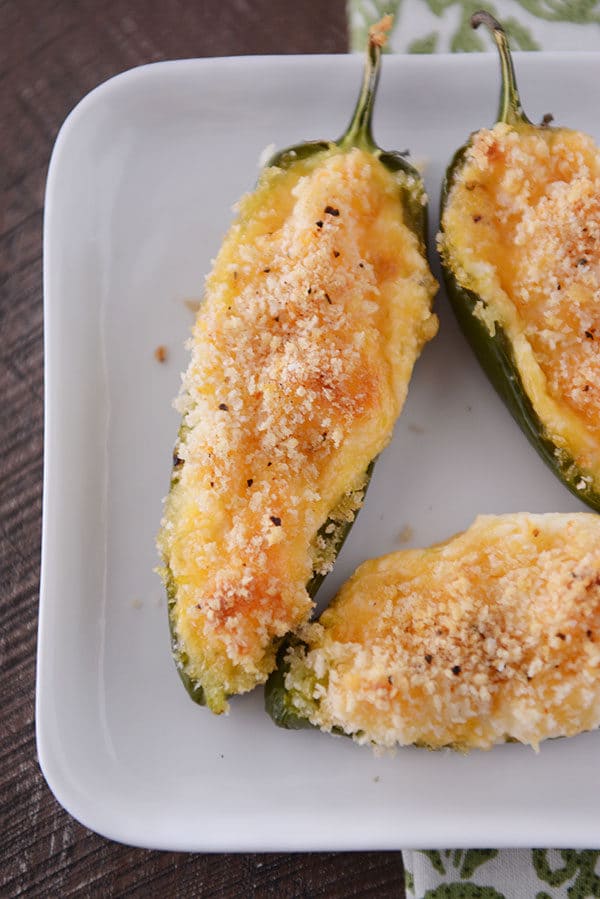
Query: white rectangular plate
pixel 140 190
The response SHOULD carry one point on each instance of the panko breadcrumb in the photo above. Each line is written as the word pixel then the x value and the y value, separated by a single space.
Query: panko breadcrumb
pixel 492 636
pixel 522 229
pixel 315 312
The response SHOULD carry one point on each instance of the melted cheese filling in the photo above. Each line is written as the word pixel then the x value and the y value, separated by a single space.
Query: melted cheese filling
pixel 492 635
pixel 315 312
pixel 522 229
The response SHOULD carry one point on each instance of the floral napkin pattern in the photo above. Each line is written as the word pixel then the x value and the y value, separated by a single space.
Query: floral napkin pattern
pixel 441 26
pixel 436 26
pixel 506 874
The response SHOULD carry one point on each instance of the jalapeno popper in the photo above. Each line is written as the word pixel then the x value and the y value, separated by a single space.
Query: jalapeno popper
pixel 492 636
pixel 315 311
pixel 520 246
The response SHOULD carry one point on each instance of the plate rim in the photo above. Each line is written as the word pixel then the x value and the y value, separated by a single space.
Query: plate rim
pixel 68 798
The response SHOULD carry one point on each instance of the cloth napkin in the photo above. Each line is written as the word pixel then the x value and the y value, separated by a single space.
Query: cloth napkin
pixel 435 26
pixel 440 26
pixel 501 874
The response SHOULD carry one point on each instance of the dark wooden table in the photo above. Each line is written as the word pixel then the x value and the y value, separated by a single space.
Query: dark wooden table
pixel 52 53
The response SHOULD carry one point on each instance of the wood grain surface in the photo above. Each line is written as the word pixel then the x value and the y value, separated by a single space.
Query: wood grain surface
pixel 52 52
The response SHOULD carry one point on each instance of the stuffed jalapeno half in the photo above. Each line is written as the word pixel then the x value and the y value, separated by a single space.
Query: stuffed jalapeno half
pixel 317 307
pixel 520 246
pixel 491 636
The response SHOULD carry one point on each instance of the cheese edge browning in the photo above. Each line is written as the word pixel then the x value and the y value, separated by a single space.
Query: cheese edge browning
pixel 407 300
pixel 564 425
pixel 451 669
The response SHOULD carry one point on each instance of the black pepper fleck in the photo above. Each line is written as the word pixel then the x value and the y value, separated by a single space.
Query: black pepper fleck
pixel 250 482
pixel 361 265
pixel 309 290
pixel 429 658
pixel 336 253
pixel 456 670
pixel 328 298
pixel 319 224
pixel 266 270
pixel 476 218
pixel 589 335
pixel 561 636
pixel 331 210
pixel 583 261
pixel 223 407
pixel 276 520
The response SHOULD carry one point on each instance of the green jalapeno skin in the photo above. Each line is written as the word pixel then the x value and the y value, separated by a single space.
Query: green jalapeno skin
pixel 495 352
pixel 278 700
pixel 278 703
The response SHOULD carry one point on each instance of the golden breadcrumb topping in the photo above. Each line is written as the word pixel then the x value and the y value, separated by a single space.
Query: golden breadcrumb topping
pixel 315 312
pixel 378 33
pixel 493 635
pixel 522 229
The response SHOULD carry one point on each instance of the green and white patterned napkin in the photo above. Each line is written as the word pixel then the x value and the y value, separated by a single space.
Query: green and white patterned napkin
pixel 506 874
pixel 435 26
pixel 439 26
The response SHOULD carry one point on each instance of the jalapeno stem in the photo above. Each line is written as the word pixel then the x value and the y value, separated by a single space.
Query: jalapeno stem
pixel 511 110
pixel 358 133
